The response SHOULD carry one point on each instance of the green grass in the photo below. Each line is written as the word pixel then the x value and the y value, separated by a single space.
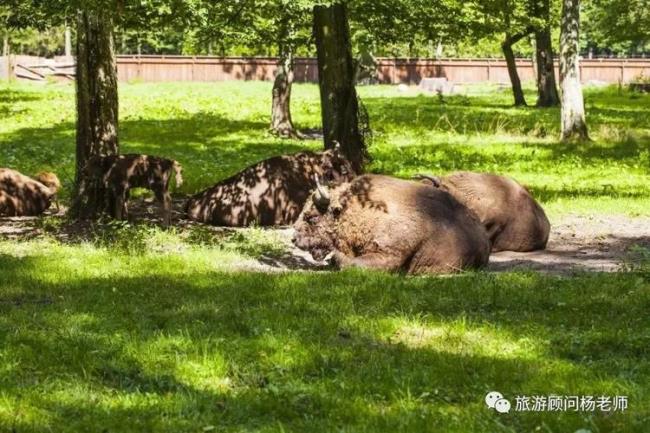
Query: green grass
pixel 137 329
pixel 162 341
pixel 216 129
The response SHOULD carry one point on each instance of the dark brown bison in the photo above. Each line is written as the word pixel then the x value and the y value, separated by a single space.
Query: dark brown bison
pixel 271 192
pixel 512 218
pixel 391 224
pixel 118 174
pixel 21 195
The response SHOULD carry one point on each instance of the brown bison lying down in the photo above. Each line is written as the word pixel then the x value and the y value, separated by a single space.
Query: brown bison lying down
pixel 118 174
pixel 271 192
pixel 512 218
pixel 21 195
pixel 386 223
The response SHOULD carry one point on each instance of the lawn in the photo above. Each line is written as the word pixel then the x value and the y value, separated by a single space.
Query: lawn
pixel 137 329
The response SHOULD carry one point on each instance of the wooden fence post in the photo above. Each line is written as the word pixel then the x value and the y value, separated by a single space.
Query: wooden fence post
pixel 489 79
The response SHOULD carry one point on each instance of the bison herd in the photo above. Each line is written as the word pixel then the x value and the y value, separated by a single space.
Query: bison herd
pixel 433 225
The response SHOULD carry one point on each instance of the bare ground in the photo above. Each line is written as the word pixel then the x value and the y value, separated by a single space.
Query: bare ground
pixel 577 243
pixel 583 243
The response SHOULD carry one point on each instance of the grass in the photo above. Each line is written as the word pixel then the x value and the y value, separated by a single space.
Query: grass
pixel 165 342
pixel 137 329
pixel 215 129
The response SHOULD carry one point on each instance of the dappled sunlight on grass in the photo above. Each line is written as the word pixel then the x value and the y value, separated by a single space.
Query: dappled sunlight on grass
pixel 459 338
pixel 168 341
pixel 133 328
pixel 216 129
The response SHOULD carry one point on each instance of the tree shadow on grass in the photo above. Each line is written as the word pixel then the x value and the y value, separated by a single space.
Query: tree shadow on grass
pixel 180 350
pixel 481 115
pixel 209 147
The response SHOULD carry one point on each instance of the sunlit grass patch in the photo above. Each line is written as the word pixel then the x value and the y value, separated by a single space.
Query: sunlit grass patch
pixel 170 341
pixel 216 129
pixel 133 328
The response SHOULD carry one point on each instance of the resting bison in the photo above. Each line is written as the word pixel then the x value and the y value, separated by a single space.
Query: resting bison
pixel 21 195
pixel 118 174
pixel 386 223
pixel 271 192
pixel 512 218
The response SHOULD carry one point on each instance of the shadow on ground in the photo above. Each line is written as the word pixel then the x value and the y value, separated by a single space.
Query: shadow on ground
pixel 185 350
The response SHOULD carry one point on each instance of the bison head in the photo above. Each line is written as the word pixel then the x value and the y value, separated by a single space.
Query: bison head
pixel 335 166
pixel 315 229
pixel 50 180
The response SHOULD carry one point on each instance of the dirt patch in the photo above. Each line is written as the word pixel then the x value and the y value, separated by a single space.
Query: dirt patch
pixel 577 242
pixel 583 243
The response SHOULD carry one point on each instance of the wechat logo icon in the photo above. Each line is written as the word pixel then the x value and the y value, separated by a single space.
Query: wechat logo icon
pixel 494 400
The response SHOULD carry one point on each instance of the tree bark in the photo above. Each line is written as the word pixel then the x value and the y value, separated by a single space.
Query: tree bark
pixel 336 77
pixel 68 42
pixel 574 125
pixel 97 106
pixel 281 123
pixel 5 45
pixel 506 46
pixel 547 95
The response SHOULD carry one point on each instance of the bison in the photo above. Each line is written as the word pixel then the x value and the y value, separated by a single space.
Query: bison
pixel 386 223
pixel 271 192
pixel 118 174
pixel 512 218
pixel 21 195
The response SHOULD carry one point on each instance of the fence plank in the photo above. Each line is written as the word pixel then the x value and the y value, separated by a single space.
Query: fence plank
pixel 150 68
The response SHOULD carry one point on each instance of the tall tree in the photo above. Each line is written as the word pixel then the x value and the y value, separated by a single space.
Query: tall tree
pixel 574 125
pixel 336 78
pixel 547 95
pixel 97 104
pixel 68 41
pixel 511 64
pixel 512 19
pixel 281 121
pixel 277 27
pixel 288 28
pixel 617 25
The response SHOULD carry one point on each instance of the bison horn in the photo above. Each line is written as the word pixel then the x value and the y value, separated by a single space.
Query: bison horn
pixel 433 179
pixel 321 195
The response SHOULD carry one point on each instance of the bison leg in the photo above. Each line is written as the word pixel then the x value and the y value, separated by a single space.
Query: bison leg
pixel 165 200
pixel 120 205
pixel 382 261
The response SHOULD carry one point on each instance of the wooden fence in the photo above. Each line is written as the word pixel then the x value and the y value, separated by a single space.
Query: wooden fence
pixel 389 70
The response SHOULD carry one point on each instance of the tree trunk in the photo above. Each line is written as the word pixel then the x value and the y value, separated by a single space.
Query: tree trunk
pixel 97 105
pixel 574 125
pixel 5 46
pixel 336 76
pixel 281 123
pixel 506 46
pixel 547 95
pixel 68 42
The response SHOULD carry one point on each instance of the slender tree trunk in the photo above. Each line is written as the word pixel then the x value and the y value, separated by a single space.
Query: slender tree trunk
pixel 97 105
pixel 439 49
pixel 533 44
pixel 68 42
pixel 281 123
pixel 6 72
pixel 336 77
pixel 574 125
pixel 547 95
pixel 506 46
